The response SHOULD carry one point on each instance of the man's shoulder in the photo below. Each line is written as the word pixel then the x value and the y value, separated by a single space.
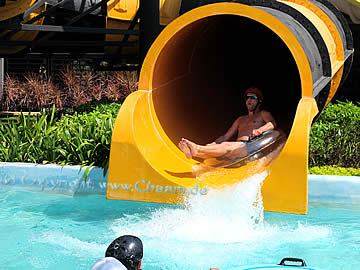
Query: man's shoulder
pixel 241 117
pixel 267 116
pixel 265 112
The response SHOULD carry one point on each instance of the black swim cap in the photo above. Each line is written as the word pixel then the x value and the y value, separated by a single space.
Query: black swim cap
pixel 128 249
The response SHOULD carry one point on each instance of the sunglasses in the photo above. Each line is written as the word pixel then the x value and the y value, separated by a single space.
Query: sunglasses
pixel 251 97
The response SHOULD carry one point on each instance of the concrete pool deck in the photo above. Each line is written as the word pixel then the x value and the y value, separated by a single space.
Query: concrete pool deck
pixel 71 180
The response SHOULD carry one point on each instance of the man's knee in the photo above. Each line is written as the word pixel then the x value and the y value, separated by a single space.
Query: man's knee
pixel 227 146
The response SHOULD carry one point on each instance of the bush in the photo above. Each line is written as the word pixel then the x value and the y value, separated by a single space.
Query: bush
pixel 335 136
pixel 81 138
pixel 30 93
pixel 70 89
pixel 329 170
pixel 84 87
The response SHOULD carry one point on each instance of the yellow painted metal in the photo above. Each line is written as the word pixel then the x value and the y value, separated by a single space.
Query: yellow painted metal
pixel 331 36
pixel 169 10
pixel 24 35
pixel 125 10
pixel 129 164
pixel 330 26
pixel 285 189
pixel 14 8
pixel 320 26
pixel 141 151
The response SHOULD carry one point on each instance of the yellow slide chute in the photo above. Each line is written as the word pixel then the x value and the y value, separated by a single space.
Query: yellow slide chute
pixel 191 86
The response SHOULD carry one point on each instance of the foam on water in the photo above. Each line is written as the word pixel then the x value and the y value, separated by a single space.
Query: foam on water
pixel 73 245
pixel 231 215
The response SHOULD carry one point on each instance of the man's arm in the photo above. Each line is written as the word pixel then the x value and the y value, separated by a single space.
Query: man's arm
pixel 270 124
pixel 232 130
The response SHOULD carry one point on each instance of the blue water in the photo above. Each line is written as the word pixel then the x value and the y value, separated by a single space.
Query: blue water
pixel 42 231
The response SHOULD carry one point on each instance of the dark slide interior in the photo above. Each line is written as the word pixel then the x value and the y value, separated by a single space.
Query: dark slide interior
pixel 202 72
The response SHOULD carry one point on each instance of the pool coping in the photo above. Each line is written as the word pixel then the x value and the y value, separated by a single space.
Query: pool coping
pixel 71 180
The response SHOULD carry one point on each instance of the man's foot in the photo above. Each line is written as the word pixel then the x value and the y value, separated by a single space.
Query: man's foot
pixel 193 147
pixel 185 149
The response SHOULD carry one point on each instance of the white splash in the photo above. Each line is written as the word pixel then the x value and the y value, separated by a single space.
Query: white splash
pixel 232 214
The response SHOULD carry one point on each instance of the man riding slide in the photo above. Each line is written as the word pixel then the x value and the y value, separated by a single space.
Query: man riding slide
pixel 255 123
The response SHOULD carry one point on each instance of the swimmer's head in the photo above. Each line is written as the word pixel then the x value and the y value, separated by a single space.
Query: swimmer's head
pixel 253 98
pixel 254 91
pixel 128 249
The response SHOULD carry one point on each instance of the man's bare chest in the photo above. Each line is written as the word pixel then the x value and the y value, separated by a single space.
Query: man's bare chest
pixel 250 123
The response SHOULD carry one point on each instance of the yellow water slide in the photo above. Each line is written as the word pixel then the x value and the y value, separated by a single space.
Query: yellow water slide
pixel 11 11
pixel 191 86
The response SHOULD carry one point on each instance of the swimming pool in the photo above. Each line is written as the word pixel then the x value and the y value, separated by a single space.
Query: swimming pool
pixel 43 231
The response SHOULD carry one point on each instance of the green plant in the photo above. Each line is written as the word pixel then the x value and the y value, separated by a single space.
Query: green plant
pixel 87 136
pixel 27 138
pixel 335 137
pixel 81 138
pixel 331 170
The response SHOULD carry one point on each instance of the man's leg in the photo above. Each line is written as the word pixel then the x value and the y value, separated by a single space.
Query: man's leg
pixel 211 151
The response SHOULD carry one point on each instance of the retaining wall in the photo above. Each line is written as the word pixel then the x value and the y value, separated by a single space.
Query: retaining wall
pixel 71 180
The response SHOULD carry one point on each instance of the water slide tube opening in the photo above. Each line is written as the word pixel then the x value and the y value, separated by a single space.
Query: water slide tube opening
pixel 191 85
pixel 201 72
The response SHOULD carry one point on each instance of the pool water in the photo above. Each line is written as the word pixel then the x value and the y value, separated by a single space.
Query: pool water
pixel 43 231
